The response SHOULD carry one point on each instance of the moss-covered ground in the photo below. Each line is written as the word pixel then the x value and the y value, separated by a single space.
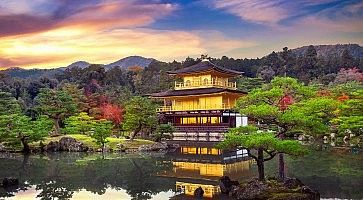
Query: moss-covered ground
pixel 90 142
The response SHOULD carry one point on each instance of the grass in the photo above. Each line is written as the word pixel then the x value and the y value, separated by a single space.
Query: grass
pixel 90 142
pixel 127 143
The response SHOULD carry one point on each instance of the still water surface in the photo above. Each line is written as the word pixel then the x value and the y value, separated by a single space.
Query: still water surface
pixel 337 173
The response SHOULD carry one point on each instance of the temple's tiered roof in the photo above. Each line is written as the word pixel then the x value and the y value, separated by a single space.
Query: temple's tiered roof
pixel 204 66
pixel 199 91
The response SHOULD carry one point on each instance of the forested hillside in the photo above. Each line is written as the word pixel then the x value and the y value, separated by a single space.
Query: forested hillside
pixel 68 97
pixel 120 83
pixel 305 64
pixel 337 50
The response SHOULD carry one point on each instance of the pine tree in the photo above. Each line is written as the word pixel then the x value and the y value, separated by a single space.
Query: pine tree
pixel 9 105
pixel 57 104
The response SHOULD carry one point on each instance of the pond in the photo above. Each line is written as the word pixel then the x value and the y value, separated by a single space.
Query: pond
pixel 337 173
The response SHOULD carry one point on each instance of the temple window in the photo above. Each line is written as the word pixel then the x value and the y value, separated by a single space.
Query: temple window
pixel 187 83
pixel 205 81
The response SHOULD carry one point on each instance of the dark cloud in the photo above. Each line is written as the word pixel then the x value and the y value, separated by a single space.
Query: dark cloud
pixel 25 61
pixel 4 63
pixel 16 24
pixel 24 23
pixel 92 13
pixel 67 8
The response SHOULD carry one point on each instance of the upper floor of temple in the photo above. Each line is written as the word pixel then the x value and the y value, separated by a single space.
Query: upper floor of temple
pixel 204 75
pixel 203 86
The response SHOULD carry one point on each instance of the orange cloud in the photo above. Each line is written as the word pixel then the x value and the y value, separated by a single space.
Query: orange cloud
pixel 119 15
pixel 62 46
pixel 100 16
pixel 258 11
pixel 103 33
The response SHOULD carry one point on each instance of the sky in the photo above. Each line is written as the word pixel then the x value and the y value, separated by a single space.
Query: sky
pixel 56 33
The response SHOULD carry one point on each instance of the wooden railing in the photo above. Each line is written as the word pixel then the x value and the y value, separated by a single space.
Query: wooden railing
pixel 192 107
pixel 217 128
pixel 203 84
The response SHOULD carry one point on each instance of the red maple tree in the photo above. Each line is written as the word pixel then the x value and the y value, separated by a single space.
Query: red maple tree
pixel 343 97
pixel 350 74
pixel 323 93
pixel 285 101
pixel 112 112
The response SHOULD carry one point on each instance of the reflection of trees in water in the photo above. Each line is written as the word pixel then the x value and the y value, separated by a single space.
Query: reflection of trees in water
pixel 140 180
pixel 9 191
pixel 52 189
pixel 16 168
pixel 334 175
pixel 59 176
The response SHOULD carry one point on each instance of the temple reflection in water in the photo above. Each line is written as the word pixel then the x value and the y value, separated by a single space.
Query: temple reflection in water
pixel 201 165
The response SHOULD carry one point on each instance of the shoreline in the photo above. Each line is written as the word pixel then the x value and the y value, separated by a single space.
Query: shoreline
pixel 83 143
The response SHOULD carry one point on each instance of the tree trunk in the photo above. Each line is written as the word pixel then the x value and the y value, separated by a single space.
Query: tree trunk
pixel 134 133
pixel 260 165
pixel 281 176
pixel 103 150
pixel 281 167
pixel 56 127
pixel 26 148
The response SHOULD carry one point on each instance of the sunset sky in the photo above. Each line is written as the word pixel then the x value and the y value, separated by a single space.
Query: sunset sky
pixel 55 33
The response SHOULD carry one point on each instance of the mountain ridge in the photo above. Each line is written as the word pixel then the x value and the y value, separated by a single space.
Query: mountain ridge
pixel 125 63
pixel 131 61
pixel 355 50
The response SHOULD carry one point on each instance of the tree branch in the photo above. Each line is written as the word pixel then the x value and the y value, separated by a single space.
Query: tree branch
pixel 251 155
pixel 272 154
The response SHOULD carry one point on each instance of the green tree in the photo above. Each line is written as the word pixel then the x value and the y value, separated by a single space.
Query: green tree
pixel 312 116
pixel 247 84
pixel 266 145
pixel 18 129
pixel 348 75
pixel 308 66
pixel 346 60
pixel 77 95
pixel 9 105
pixel 102 131
pixel 269 103
pixel 275 63
pixel 94 73
pixel 266 73
pixel 189 62
pixel 272 106
pixel 140 116
pixel 288 61
pixel 79 124
pixel 349 117
pixel 57 104
pixel 163 131
pixel 118 94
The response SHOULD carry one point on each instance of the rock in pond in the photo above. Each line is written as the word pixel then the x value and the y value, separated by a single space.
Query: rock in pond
pixel 198 193
pixel 313 195
pixel 292 183
pixel 301 137
pixel 2 148
pixel 66 144
pixel 120 147
pixel 10 182
pixel 291 189
pixel 252 190
pixel 225 184
pixel 158 146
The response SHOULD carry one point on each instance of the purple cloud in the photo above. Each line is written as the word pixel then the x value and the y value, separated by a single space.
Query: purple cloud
pixel 24 23
pixel 90 14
